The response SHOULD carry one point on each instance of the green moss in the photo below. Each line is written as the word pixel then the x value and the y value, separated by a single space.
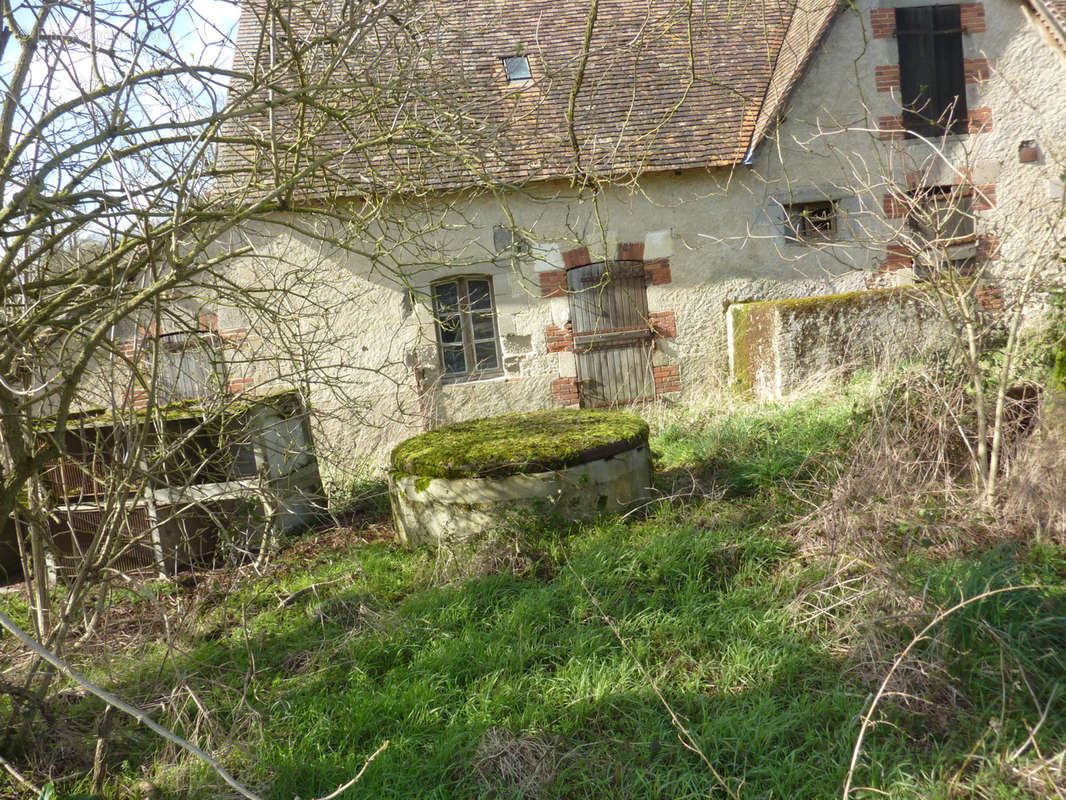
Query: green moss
pixel 518 443
pixel 177 410
pixel 1058 372
pixel 824 302
pixel 742 373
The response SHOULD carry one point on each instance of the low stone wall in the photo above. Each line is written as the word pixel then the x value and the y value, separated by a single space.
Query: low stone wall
pixel 777 346
pixel 429 510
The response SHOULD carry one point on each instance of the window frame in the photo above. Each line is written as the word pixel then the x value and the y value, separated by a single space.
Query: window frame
pixel 520 75
pixel 932 62
pixel 798 227
pixel 928 202
pixel 943 255
pixel 465 314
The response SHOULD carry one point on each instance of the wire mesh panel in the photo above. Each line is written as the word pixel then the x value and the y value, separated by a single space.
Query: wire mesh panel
pixel 612 334
pixel 74 530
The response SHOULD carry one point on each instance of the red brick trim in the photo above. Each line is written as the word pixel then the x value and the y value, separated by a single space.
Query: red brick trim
pixel 989 298
pixel 895 207
pixel 631 251
pixel 240 385
pixel 976 69
pixel 987 247
pixel 890 127
pixel 236 337
pixel 564 392
pixel 208 321
pixel 897 256
pixel 553 283
pixel 578 257
pixel 980 119
pixel 657 272
pixel 559 340
pixel 973 17
pixel 664 323
pixel 667 378
pixel 886 77
pixel 883 22
pixel 983 198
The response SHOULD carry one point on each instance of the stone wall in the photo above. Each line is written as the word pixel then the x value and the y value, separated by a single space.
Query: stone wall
pixel 779 346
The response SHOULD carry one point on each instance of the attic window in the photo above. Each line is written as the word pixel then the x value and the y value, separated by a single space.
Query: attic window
pixel 516 68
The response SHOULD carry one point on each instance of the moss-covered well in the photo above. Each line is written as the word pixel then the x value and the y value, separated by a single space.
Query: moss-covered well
pixel 512 444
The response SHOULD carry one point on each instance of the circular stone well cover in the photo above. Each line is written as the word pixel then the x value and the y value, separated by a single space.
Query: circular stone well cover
pixel 452 482
pixel 514 444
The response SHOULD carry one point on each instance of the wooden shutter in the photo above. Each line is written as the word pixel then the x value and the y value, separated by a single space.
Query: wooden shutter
pixel 932 78
pixel 950 72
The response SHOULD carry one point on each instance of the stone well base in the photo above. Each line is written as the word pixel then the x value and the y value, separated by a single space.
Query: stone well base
pixel 427 511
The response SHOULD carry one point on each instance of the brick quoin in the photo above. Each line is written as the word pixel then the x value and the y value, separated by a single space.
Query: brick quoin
pixel 886 78
pixel 897 256
pixel 631 251
pixel 664 323
pixel 990 298
pixel 559 340
pixel 208 321
pixel 987 247
pixel 240 385
pixel 895 207
pixel 667 378
pixel 657 272
pixel 890 127
pixel 578 257
pixel 883 22
pixel 980 120
pixel 972 16
pixel 983 198
pixel 976 69
pixel 564 392
pixel 553 284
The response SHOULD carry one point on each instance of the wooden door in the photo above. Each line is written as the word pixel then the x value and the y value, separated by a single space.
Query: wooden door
pixel 612 335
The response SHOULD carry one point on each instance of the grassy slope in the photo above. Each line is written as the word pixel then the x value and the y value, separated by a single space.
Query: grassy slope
pixel 704 593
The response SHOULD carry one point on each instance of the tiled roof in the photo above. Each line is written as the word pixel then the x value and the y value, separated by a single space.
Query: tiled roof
pixel 1054 12
pixel 421 101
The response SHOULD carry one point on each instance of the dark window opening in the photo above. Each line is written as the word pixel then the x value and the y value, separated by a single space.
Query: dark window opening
pixel 945 228
pixel 943 216
pixel 516 68
pixel 810 222
pixel 464 314
pixel 932 77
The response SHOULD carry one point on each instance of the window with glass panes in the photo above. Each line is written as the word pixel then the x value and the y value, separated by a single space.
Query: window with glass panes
pixel 465 317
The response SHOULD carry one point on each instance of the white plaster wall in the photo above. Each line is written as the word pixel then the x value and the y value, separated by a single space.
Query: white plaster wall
pixel 367 311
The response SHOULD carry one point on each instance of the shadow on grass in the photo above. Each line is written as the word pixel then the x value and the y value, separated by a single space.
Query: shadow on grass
pixel 772 706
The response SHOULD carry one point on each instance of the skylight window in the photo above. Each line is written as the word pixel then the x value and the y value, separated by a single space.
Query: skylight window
pixel 516 68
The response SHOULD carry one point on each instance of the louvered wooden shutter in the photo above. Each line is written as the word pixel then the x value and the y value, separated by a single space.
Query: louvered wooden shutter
pixel 932 78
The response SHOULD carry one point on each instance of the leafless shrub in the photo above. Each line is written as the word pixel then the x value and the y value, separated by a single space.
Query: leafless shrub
pixel 519 765
pixel 1036 492
pixel 1044 776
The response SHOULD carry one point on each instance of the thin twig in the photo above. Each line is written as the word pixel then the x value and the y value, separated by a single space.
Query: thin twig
pixel 882 689
pixel 359 775
pixel 14 773
pixel 683 734
pixel 124 707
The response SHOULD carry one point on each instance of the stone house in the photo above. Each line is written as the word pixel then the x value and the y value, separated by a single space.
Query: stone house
pixel 599 182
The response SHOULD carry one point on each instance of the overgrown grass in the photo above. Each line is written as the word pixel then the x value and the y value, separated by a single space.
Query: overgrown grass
pixel 577 643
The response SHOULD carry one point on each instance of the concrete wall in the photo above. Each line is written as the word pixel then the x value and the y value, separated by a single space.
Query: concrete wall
pixel 351 320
